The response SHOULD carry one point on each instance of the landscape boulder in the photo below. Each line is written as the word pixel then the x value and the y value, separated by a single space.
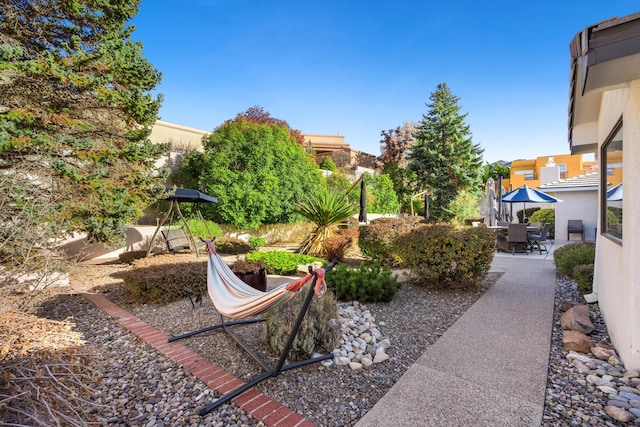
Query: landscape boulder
pixel 576 341
pixel 577 319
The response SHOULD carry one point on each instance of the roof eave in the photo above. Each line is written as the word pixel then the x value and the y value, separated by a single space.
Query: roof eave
pixel 604 56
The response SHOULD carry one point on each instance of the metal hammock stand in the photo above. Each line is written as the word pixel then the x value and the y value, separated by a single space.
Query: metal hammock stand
pixel 270 371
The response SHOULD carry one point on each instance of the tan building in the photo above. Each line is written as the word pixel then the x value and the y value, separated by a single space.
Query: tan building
pixel 341 153
pixel 184 138
pixel 180 137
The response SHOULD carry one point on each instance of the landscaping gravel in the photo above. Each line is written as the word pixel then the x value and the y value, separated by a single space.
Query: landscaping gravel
pixel 141 387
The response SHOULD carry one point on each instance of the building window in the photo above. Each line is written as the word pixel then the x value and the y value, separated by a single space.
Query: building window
pixel 528 174
pixel 563 170
pixel 611 185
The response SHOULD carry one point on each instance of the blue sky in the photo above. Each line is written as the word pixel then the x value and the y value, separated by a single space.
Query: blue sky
pixel 357 67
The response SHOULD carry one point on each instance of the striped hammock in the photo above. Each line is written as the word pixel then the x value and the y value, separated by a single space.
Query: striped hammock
pixel 235 299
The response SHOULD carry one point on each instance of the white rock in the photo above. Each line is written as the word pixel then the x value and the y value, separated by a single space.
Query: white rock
pixel 607 389
pixel 580 357
pixel 341 361
pixel 380 356
pixel 355 366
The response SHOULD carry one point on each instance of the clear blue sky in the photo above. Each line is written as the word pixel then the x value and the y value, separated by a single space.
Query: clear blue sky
pixel 356 67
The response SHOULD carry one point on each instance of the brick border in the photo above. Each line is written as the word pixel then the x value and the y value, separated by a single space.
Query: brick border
pixel 253 401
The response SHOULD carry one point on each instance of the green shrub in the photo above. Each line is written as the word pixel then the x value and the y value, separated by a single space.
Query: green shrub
pixel 164 278
pixel 204 230
pixel 569 256
pixel 583 275
pixel 544 216
pixel 232 246
pixel 317 329
pixel 445 256
pixel 282 262
pixel 370 282
pixel 256 242
pixel 528 211
pixel 377 240
pixel 130 257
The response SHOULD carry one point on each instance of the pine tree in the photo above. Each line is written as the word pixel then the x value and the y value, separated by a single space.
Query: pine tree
pixel 75 115
pixel 444 157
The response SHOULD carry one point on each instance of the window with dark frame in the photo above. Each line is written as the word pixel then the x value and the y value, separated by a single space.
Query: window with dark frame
pixel 611 206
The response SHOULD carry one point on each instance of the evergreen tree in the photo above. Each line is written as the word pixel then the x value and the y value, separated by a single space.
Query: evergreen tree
pixel 444 157
pixel 75 114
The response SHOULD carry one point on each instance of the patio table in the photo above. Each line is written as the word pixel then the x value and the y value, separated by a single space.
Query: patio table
pixel 501 235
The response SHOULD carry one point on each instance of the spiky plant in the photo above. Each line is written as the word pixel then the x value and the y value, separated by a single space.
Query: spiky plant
pixel 327 210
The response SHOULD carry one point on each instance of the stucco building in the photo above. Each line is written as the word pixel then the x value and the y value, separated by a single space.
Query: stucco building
pixel 604 119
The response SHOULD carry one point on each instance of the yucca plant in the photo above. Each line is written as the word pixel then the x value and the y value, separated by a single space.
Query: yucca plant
pixel 327 210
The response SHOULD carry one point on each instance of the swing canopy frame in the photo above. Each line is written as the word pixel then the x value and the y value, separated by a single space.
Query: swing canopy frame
pixel 183 195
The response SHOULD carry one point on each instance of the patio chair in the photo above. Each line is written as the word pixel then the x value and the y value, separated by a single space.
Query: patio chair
pixel 536 224
pixel 536 240
pixel 574 226
pixel 517 237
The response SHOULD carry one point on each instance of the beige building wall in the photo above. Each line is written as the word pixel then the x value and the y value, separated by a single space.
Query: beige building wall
pixel 617 273
pixel 180 137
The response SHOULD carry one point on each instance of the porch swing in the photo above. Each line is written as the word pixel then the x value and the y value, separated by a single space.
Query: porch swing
pixel 178 239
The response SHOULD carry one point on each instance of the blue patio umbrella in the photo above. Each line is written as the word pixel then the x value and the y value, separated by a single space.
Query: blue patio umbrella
pixel 526 194
pixel 614 193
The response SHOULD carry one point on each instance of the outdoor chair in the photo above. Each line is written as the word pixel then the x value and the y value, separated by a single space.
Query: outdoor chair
pixel 536 240
pixel 536 224
pixel 517 237
pixel 575 226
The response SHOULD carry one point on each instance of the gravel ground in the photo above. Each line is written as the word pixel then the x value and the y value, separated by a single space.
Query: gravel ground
pixel 142 387
pixel 571 400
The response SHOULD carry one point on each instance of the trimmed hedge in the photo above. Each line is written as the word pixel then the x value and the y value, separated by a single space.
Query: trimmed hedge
pixel 282 262
pixel 569 256
pixel 583 275
pixel 164 278
pixel 378 239
pixel 446 256
pixel 370 282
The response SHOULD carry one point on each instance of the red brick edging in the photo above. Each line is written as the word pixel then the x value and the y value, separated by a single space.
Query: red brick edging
pixel 254 402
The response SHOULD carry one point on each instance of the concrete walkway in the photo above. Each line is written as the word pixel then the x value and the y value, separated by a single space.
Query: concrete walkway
pixel 490 367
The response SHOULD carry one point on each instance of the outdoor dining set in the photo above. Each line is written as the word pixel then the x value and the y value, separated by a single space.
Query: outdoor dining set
pixel 512 237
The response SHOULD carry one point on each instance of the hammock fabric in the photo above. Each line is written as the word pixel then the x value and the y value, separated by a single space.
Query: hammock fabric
pixel 235 299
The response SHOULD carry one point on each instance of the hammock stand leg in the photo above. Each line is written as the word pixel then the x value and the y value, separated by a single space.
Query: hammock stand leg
pixel 223 324
pixel 280 367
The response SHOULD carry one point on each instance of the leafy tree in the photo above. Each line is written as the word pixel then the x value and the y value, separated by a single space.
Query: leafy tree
pixel 465 205
pixel 255 168
pixel 381 197
pixel 404 184
pixel 75 114
pixel 444 157
pixel 393 146
pixel 395 143
pixel 494 171
pixel 339 183
pixel 328 164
